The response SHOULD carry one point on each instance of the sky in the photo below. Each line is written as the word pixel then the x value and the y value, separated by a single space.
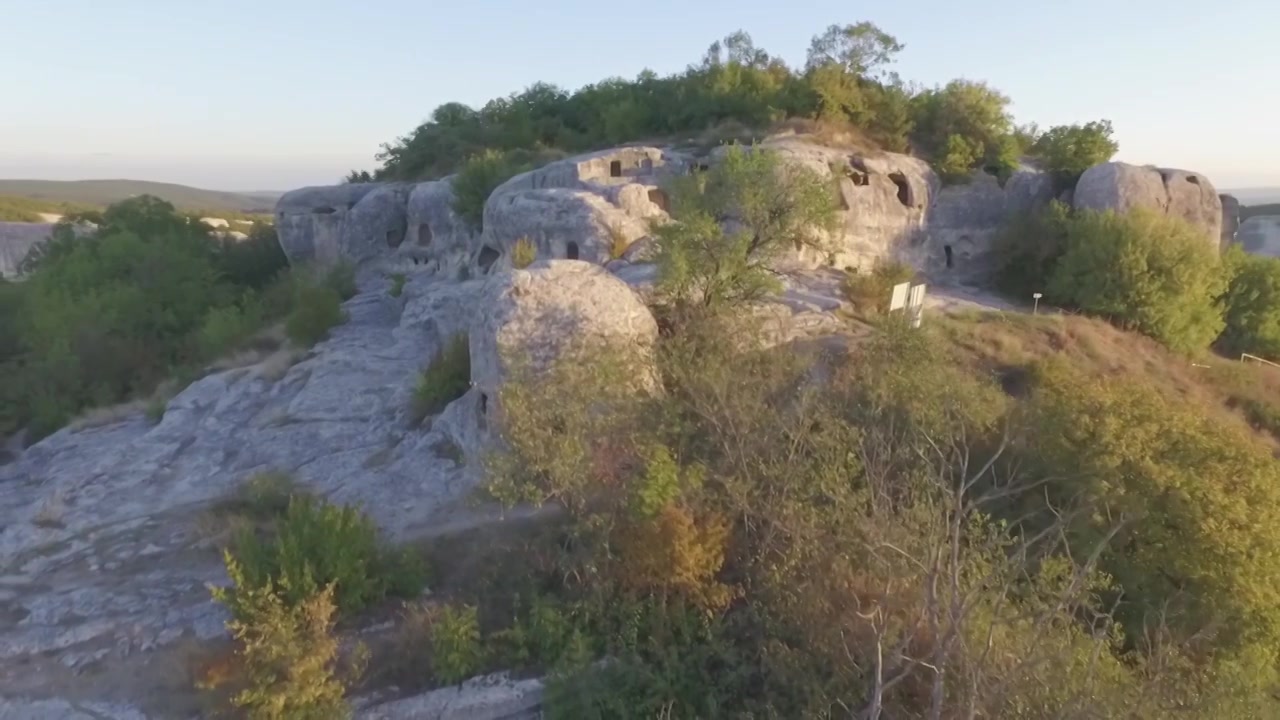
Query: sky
pixel 276 94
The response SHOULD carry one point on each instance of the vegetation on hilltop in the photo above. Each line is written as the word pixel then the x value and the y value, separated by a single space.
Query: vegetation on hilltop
pixel 739 90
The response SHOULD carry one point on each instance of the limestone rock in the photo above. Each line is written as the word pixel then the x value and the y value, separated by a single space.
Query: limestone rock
pixel 532 316
pixel 1176 193
pixel 883 201
pixel 1230 219
pixel 376 225
pixel 16 240
pixel 562 223
pixel 436 236
pixel 966 219
pixel 492 697
pixel 310 221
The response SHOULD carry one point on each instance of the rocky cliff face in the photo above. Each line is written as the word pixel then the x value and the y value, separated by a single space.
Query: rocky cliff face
pixel 16 240
pixel 588 207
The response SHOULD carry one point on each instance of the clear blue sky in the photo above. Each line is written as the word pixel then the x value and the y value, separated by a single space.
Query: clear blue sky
pixel 272 94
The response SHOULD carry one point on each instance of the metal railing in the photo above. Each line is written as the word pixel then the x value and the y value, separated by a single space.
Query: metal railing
pixel 1245 357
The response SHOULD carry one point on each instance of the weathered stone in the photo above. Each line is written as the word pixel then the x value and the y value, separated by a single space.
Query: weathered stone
pixel 492 697
pixel 562 223
pixel 1230 219
pixel 1174 193
pixel 16 240
pixel 376 226
pixel 436 238
pixel 965 220
pixel 310 221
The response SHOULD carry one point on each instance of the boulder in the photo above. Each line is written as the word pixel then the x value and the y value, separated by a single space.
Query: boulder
pixel 310 221
pixel 1176 193
pixel 436 236
pixel 377 224
pixel 534 315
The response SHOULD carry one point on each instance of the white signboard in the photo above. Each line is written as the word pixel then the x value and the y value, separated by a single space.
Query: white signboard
pixel 898 300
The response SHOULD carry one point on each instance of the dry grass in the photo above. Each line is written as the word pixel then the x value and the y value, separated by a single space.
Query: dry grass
pixel 1006 344
pixel 618 242
pixel 101 416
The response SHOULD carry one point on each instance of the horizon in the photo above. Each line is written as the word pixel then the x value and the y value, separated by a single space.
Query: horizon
pixel 231 109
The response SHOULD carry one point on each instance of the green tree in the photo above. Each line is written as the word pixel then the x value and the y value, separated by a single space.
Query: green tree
pixel 1154 274
pixel 1252 304
pixel 973 111
pixel 477 180
pixel 1069 150
pixel 860 50
pixel 731 222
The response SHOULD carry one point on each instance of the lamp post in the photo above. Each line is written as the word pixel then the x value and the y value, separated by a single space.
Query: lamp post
pixel 1035 309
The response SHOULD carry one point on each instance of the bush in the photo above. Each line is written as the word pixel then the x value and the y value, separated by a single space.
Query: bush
pixel 288 652
pixel 524 253
pixel 316 309
pixel 1196 506
pixel 1029 247
pixel 397 284
pixel 255 262
pixel 1155 274
pixel 1252 304
pixel 1068 150
pixel 777 209
pixel 341 278
pixel 446 379
pixel 456 652
pixel 965 125
pixel 226 327
pixel 316 545
pixel 476 181
pixel 870 293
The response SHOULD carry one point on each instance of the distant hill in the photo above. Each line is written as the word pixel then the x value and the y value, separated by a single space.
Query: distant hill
pixel 105 192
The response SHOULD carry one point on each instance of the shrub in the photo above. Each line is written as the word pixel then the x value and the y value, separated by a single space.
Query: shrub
pixel 476 181
pixel 226 327
pixel 1195 505
pixel 1151 273
pixel 288 651
pixel 341 278
pixel 397 284
pixel 253 263
pixel 870 293
pixel 456 652
pixel 316 544
pixel 316 309
pixel 524 253
pixel 156 408
pixel 1029 247
pixel 618 242
pixel 1068 150
pixel 1252 304
pixel 777 209
pixel 446 379
pixel 964 125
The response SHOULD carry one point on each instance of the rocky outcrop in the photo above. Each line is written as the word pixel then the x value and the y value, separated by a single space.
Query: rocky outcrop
pixel 16 240
pixel 311 222
pixel 1230 219
pixel 436 237
pixel 1175 193
pixel 965 221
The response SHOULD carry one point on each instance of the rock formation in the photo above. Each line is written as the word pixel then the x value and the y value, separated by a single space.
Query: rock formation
pixel 1230 219
pixel 1176 193
pixel 16 240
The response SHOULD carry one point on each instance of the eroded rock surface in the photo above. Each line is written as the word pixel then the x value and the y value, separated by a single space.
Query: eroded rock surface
pixel 1176 193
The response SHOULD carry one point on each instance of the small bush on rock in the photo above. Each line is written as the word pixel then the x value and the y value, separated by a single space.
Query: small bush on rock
pixel 287 651
pixel 316 544
pixel 1068 150
pixel 316 309
pixel 456 652
pixel 446 379
pixel 523 254
pixel 397 284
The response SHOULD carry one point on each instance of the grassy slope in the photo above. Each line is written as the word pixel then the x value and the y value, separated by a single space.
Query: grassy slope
pixel 105 192
pixel 1006 344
